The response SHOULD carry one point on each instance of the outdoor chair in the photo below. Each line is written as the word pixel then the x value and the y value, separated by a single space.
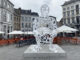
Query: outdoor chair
pixel 33 41
pixel 26 42
pixel 20 43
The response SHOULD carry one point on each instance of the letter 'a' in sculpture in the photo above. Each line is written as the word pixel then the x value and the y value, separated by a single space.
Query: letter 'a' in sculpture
pixel 44 28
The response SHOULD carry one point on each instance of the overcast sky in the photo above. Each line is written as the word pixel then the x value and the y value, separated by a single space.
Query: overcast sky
pixel 34 5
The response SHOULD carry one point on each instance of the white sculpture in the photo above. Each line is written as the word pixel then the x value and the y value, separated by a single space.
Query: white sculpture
pixel 44 28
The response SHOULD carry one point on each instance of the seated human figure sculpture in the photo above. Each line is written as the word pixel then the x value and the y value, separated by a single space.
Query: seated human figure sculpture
pixel 44 28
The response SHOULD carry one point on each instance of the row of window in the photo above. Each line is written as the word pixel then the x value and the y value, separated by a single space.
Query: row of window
pixel 9 28
pixel 68 8
pixel 69 13
pixel 17 27
pixel 71 7
pixel 26 18
pixel 17 24
pixel 17 18
pixel 67 21
pixel 72 20
pixel 26 25
pixel 7 16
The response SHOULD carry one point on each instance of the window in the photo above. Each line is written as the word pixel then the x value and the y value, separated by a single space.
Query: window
pixel 26 19
pixel 4 3
pixel 17 18
pixel 22 18
pixel 64 14
pixel 64 9
pixel 11 17
pixel 29 25
pixel 8 5
pixel 68 20
pixel 4 28
pixel 68 13
pixel 72 12
pixel 22 25
pixel 0 2
pixel 29 18
pixel 72 7
pixel 5 16
pixel 11 28
pixel 65 21
pixel 8 17
pixel 26 25
pixel 33 19
pixel 73 20
pixel 77 9
pixel 0 14
pixel 68 8
pixel 77 19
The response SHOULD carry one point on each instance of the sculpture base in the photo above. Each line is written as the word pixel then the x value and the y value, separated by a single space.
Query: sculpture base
pixel 57 53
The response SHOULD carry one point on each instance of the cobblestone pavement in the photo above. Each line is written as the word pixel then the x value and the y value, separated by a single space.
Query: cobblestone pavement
pixel 11 52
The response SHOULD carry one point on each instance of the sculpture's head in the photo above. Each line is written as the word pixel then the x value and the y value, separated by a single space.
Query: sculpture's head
pixel 45 10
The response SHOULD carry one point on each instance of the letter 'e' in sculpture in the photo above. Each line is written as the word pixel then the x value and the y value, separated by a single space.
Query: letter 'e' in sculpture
pixel 44 28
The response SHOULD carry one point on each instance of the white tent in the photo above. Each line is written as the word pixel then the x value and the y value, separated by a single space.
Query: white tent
pixel 66 29
pixel 29 32
pixel 1 32
pixel 16 32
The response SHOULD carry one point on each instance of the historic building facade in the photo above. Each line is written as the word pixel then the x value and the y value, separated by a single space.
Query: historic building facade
pixel 71 13
pixel 27 18
pixel 17 19
pixel 6 16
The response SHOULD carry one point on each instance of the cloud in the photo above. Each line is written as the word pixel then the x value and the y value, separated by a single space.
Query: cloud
pixel 34 5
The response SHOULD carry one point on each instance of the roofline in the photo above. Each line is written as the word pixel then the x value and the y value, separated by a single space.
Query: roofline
pixel 10 2
pixel 69 3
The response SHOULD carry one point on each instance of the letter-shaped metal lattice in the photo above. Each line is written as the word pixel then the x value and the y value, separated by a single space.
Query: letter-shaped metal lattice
pixel 44 27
